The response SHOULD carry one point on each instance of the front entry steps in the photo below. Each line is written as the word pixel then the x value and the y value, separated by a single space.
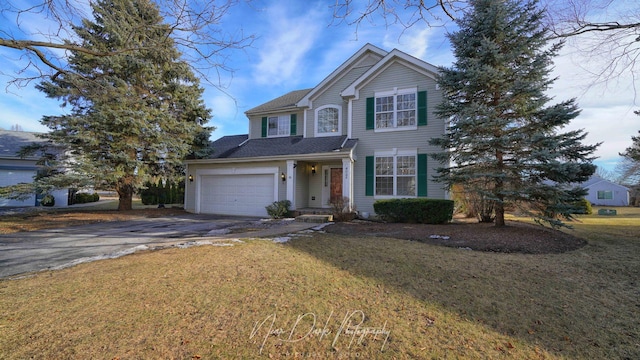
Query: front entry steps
pixel 315 218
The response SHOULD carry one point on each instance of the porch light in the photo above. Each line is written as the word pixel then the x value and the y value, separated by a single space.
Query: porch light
pixel 313 169
pixel 283 177
pixel 190 178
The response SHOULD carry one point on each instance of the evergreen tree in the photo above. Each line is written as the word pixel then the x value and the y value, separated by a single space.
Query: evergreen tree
pixel 630 165
pixel 133 115
pixel 503 140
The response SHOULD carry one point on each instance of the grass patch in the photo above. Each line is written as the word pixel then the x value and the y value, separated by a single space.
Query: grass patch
pixel 31 219
pixel 432 302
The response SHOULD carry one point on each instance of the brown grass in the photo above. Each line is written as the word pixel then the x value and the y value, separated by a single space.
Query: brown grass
pixel 433 302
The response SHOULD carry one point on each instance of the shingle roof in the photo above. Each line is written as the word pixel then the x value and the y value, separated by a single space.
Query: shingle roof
pixel 287 100
pixel 229 146
pixel 12 141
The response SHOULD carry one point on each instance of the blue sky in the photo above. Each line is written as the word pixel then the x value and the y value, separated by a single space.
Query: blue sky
pixel 299 43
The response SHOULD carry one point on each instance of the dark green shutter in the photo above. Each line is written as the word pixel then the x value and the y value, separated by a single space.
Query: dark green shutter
pixel 371 113
pixel 422 108
pixel 369 175
pixel 422 174
pixel 265 124
pixel 294 125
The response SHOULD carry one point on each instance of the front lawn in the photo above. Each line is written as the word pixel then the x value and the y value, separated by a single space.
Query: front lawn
pixel 334 296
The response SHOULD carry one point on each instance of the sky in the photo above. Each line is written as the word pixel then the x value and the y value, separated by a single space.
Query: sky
pixel 298 43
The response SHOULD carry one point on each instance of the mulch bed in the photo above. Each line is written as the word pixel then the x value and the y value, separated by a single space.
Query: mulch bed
pixel 516 237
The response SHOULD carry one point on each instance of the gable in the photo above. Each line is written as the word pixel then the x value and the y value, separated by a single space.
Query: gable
pixel 392 59
pixel 366 57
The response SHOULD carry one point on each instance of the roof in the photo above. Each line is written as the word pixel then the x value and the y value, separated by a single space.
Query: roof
pixel 238 146
pixel 285 101
pixel 596 179
pixel 12 141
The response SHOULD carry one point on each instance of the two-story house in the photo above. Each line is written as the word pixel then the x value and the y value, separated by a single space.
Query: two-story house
pixel 361 134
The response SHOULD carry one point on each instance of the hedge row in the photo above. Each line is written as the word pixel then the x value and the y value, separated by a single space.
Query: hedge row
pixel 424 211
pixel 82 198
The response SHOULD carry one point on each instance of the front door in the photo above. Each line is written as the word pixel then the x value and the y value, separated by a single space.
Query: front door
pixel 336 184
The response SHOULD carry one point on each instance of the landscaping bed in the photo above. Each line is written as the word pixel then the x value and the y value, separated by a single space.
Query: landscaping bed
pixel 516 237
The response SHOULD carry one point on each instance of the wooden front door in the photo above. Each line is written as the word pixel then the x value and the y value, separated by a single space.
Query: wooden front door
pixel 336 184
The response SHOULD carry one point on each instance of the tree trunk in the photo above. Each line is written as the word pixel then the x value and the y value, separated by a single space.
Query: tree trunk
pixel 499 214
pixel 124 188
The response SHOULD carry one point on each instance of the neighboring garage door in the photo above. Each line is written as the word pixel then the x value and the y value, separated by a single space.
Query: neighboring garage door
pixel 236 194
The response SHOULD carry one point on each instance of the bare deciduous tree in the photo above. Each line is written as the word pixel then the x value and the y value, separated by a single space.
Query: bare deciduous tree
pixel 42 34
pixel 606 32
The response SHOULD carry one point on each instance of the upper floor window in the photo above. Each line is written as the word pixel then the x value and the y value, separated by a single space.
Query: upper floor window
pixel 328 120
pixel 283 125
pixel 398 109
pixel 278 126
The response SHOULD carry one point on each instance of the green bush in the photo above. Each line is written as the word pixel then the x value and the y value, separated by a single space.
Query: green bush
pixel 83 198
pixel 279 209
pixel 424 211
pixel 48 200
pixel 584 207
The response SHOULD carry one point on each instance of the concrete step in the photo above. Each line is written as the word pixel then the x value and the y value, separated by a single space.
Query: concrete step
pixel 315 218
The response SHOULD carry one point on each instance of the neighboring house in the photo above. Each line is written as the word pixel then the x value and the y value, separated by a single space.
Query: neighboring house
pixel 606 193
pixel 15 170
pixel 361 134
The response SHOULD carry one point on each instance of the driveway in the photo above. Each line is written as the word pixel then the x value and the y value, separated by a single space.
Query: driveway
pixel 49 249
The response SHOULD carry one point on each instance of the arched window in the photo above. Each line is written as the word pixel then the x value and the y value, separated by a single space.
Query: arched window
pixel 329 120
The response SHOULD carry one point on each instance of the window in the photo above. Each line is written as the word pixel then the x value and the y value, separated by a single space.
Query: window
pixel 278 126
pixel 399 109
pixel 605 195
pixel 395 110
pixel 328 120
pixel 395 175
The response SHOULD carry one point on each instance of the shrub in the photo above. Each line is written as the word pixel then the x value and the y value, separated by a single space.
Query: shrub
pixel 583 207
pixel 279 209
pixel 48 200
pixel 82 198
pixel 425 211
pixel 339 209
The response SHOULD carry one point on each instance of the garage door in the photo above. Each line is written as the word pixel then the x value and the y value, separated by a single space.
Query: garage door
pixel 236 194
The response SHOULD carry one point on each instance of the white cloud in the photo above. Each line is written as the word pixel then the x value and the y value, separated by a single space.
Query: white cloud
pixel 289 38
pixel 226 115
pixel 414 41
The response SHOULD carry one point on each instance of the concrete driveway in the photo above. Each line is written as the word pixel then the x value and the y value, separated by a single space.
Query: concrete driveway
pixel 49 249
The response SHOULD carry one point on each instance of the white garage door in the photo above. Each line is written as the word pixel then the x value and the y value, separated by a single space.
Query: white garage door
pixel 236 194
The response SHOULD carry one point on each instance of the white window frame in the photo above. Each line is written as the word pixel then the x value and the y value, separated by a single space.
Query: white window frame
pixel 317 123
pixel 395 93
pixel 604 194
pixel 395 154
pixel 281 119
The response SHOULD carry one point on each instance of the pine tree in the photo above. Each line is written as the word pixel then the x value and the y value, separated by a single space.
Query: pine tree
pixel 503 140
pixel 630 164
pixel 133 115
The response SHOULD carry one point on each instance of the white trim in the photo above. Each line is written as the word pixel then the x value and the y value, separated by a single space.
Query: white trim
pixel 304 125
pixel 291 182
pixel 233 171
pixel 347 181
pixel 350 118
pixel 315 120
